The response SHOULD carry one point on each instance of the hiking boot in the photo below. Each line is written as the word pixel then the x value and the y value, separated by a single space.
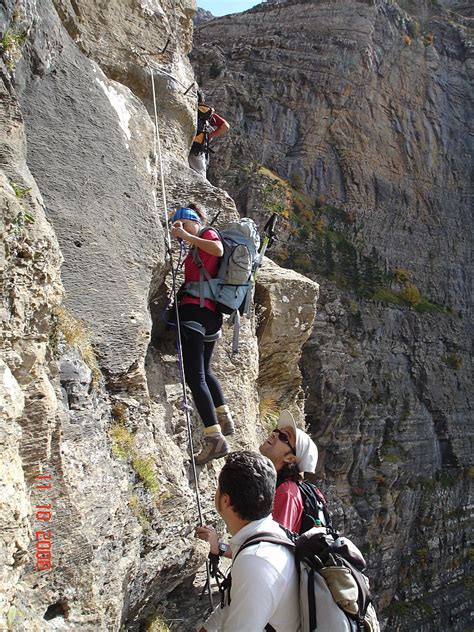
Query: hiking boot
pixel 215 447
pixel 225 422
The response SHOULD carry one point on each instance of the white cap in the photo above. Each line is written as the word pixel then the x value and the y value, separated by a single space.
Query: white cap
pixel 306 450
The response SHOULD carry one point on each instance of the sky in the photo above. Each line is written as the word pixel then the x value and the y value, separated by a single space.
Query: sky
pixel 223 7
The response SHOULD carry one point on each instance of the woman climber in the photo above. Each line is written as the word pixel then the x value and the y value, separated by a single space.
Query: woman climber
pixel 200 329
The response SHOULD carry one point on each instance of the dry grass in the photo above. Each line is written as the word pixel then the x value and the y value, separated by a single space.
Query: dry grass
pixel 139 511
pixel 145 469
pixel 123 442
pixel 402 275
pixel 410 294
pixel 119 412
pixel 157 623
pixel 124 447
pixel 75 334
pixel 269 413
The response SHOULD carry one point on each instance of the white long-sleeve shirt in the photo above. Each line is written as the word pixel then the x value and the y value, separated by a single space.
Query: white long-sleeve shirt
pixel 264 586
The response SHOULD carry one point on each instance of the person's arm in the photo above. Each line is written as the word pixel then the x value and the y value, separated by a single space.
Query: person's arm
pixel 211 246
pixel 221 127
pixel 208 534
pixel 214 621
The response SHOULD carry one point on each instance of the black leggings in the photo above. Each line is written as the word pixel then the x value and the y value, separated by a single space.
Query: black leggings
pixel 197 354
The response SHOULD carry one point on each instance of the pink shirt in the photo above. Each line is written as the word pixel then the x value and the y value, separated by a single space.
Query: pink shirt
pixel 191 270
pixel 288 506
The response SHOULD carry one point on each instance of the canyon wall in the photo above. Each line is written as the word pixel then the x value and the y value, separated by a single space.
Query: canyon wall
pixel 352 121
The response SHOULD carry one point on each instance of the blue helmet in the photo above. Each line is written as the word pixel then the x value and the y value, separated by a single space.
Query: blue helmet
pixel 186 213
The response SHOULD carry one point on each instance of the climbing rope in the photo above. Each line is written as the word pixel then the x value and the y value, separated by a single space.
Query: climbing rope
pixel 158 160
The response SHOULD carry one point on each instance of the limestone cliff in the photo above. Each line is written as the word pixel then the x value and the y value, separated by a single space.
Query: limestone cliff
pixel 91 401
pixel 352 121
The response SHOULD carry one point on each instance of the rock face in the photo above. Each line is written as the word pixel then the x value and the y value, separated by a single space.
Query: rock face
pixel 91 400
pixel 353 126
pixel 202 16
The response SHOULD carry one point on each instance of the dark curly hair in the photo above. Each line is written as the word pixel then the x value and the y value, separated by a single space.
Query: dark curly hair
pixel 199 211
pixel 249 479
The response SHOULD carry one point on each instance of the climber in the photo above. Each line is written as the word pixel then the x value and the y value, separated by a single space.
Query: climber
pixel 264 588
pixel 209 127
pixel 292 452
pixel 200 329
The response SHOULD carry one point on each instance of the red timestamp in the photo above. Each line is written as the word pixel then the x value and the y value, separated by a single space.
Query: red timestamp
pixel 43 538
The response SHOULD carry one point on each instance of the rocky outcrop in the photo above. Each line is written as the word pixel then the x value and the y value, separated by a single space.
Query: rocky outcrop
pixel 352 125
pixel 285 317
pixel 91 399
pixel 202 16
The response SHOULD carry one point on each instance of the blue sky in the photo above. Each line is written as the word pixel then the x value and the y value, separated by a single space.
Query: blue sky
pixel 223 7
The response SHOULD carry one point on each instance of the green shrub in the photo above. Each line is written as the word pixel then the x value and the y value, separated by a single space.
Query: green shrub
pixel 10 46
pixel 145 469
pixel 386 295
pixel 123 441
pixel 20 191
pixel 425 305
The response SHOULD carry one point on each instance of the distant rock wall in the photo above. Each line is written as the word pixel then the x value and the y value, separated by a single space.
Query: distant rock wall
pixel 90 398
pixel 351 121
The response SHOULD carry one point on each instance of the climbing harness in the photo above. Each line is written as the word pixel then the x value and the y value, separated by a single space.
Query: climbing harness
pixel 216 574
pixel 158 161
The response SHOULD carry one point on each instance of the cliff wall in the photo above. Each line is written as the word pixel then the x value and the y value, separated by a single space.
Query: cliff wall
pixel 91 397
pixel 352 120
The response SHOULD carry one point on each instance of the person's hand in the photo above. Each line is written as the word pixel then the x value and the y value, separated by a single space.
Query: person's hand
pixel 208 534
pixel 178 231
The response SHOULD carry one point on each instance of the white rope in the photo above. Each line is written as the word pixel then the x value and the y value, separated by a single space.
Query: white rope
pixel 158 157
pixel 159 163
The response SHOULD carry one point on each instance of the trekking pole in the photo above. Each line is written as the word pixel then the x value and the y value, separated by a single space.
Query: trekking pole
pixel 159 160
pixel 268 239
pixel 214 219
pixel 269 235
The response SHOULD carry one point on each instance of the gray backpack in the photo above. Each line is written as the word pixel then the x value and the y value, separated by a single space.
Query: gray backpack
pixel 334 592
pixel 232 288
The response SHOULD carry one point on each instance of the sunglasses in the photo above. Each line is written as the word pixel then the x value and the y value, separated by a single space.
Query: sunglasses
pixel 284 438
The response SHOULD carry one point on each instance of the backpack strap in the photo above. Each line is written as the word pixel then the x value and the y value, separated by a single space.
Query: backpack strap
pixel 255 539
pixel 315 507
pixel 235 320
pixel 264 537
pixel 203 273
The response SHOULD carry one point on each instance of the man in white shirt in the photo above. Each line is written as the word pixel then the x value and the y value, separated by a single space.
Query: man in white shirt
pixel 264 586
